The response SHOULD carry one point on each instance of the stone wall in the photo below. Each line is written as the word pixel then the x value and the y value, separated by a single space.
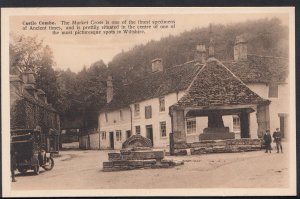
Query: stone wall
pixel 218 146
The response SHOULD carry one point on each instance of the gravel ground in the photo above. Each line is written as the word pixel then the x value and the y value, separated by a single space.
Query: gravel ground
pixel 77 169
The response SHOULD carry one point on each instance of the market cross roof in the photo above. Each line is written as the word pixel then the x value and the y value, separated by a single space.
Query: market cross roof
pixel 216 85
pixel 256 69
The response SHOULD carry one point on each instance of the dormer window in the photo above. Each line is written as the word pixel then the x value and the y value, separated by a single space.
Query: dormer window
pixel 148 112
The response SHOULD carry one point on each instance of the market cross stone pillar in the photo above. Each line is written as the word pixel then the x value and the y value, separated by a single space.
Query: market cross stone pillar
pixel 216 129
pixel 178 124
pixel 215 120
pixel 244 122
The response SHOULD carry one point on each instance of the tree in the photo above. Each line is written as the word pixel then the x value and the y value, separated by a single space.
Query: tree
pixel 25 53
pixel 46 76
pixel 29 53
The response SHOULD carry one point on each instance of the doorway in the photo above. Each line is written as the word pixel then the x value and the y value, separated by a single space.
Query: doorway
pixel 282 126
pixel 149 133
pixel 111 140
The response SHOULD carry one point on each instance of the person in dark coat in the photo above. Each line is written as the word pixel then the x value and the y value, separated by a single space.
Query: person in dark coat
pixel 268 140
pixel 277 139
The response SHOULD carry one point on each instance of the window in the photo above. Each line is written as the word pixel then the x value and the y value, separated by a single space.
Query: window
pixel 273 90
pixel 161 104
pixel 191 126
pixel 136 110
pixel 148 112
pixel 163 131
pixel 106 117
pixel 236 123
pixel 118 135
pixel 103 135
pixel 138 130
pixel 121 115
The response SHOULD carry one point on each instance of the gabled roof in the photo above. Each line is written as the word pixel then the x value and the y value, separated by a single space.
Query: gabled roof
pixel 260 69
pixel 216 85
pixel 154 85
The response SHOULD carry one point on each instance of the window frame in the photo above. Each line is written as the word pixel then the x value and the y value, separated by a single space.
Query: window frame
pixel 236 127
pixel 162 105
pixel 165 128
pixel 191 132
pixel 273 90
pixel 137 110
pixel 118 135
pixel 103 135
pixel 139 127
pixel 121 115
pixel 149 109
pixel 106 117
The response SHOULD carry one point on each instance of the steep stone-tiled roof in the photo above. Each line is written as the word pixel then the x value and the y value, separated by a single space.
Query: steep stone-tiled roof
pixel 154 85
pixel 217 85
pixel 260 69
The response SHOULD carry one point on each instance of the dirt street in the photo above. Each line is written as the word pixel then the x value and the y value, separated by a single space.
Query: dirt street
pixel 76 169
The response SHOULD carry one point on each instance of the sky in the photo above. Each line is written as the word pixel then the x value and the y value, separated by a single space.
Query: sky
pixel 74 52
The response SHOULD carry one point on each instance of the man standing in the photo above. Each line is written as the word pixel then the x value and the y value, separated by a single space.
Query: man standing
pixel 268 141
pixel 277 138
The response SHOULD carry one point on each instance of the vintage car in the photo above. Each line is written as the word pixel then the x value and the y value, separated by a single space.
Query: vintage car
pixel 29 148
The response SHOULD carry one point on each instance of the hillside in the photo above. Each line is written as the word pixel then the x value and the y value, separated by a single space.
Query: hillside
pixel 265 37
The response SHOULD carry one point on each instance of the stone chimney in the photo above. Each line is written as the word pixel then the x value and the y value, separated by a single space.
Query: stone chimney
pixel 211 47
pixel 28 78
pixel 200 55
pixel 157 65
pixel 109 89
pixel 42 95
pixel 240 49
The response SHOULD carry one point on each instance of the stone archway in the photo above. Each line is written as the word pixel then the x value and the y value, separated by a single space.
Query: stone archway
pixel 136 141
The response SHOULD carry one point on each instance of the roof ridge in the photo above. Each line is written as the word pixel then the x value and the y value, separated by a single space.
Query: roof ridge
pixel 195 77
pixel 266 56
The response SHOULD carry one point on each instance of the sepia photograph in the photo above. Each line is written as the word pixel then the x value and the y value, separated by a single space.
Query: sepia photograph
pixel 148 101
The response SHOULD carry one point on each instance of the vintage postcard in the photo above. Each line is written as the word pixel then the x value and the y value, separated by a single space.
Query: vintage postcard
pixel 148 101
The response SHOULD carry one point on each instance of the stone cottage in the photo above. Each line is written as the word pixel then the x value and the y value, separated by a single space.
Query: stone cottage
pixel 29 108
pixel 239 98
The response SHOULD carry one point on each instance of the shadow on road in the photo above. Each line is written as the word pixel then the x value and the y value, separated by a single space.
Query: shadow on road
pixel 30 173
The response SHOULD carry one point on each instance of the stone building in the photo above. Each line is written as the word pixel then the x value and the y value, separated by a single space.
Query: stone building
pixel 29 108
pixel 241 98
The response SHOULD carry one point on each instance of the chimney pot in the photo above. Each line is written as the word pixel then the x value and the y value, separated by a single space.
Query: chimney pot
pixel 157 65
pixel 109 89
pixel 200 55
pixel 240 49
